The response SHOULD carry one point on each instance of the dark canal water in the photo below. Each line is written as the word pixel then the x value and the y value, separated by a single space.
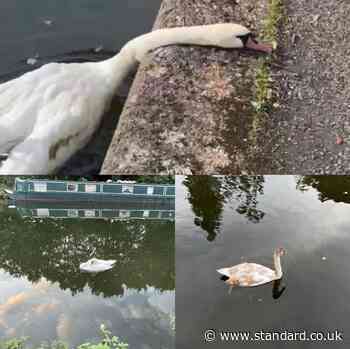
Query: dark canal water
pixel 44 295
pixel 72 31
pixel 224 221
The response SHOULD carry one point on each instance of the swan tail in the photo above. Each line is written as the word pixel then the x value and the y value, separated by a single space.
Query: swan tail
pixel 224 271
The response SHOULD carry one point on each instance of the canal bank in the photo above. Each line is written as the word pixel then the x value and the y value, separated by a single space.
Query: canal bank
pixel 191 109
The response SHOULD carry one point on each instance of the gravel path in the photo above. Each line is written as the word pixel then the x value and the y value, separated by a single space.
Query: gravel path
pixel 310 132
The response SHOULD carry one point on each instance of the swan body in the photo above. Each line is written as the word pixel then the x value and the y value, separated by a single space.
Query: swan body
pixel 48 114
pixel 252 274
pixel 95 265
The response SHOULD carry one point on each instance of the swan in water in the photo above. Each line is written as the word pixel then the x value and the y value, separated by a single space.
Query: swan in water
pixel 95 265
pixel 48 114
pixel 252 274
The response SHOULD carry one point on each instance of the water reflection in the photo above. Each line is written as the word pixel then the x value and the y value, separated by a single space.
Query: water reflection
pixel 277 289
pixel 45 296
pixel 306 215
pixel 335 188
pixel 43 312
pixel 54 250
pixel 245 190
pixel 208 195
pixel 118 210
pixel 207 202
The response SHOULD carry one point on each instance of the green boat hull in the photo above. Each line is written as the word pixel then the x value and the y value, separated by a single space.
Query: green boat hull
pixel 62 191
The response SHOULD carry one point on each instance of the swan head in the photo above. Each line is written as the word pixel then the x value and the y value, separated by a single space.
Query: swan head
pixel 280 251
pixel 231 35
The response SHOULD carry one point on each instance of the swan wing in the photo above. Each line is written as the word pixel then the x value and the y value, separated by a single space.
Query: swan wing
pixel 249 274
pixel 19 102
pixel 225 271
pixel 64 108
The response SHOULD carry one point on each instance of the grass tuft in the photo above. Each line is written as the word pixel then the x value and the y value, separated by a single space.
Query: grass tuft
pixel 264 97
pixel 271 23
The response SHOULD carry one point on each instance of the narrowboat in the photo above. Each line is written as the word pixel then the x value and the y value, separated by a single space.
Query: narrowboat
pixel 86 191
pixel 108 212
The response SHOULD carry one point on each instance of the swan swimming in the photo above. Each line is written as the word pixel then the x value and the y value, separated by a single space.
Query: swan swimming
pixel 95 265
pixel 252 274
pixel 48 114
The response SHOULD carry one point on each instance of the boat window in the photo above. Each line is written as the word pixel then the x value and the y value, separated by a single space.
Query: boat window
pixel 150 190
pixel 40 187
pixel 146 213
pixel 72 213
pixel 124 214
pixel 90 188
pixel 127 189
pixel 42 212
pixel 72 187
pixel 89 213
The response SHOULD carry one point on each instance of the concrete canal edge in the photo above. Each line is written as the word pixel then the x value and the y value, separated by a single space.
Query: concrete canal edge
pixel 194 109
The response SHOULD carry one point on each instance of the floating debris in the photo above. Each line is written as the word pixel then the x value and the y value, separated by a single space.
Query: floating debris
pixel 48 22
pixel 32 61
pixel 98 49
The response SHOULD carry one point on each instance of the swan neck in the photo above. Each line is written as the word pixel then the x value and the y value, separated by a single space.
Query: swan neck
pixel 277 264
pixel 118 67
pixel 141 45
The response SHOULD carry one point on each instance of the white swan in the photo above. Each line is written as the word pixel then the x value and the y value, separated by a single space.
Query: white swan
pixel 95 265
pixel 48 114
pixel 252 274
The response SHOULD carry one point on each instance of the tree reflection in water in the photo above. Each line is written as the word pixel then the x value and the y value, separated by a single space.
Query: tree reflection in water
pixel 208 195
pixel 207 202
pixel 245 190
pixel 336 188
pixel 53 249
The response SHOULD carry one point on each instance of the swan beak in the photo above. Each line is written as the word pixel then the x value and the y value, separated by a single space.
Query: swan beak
pixel 256 46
